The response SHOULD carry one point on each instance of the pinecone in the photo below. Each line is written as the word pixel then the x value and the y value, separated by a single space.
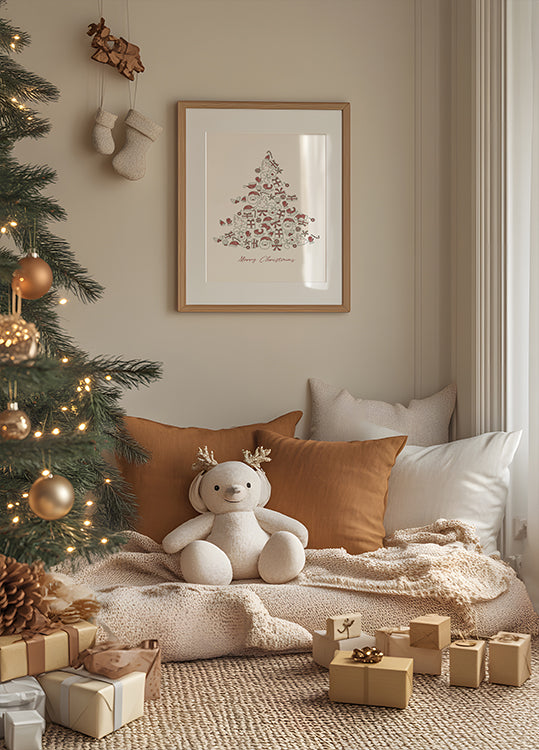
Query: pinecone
pixel 20 595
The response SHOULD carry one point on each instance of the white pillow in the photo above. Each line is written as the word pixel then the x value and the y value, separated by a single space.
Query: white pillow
pixel 465 480
pixel 337 415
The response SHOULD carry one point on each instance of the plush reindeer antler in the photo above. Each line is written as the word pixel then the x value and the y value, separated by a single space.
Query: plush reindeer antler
pixel 204 460
pixel 256 458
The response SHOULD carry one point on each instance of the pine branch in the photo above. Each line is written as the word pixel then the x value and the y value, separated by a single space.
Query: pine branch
pixel 10 34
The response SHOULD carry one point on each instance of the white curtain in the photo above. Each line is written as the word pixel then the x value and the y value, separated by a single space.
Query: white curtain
pixel 523 273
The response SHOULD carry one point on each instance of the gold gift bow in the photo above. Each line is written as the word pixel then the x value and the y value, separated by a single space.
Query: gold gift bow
pixel 367 655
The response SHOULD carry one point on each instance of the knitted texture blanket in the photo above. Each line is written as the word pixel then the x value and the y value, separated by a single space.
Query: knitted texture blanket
pixel 437 568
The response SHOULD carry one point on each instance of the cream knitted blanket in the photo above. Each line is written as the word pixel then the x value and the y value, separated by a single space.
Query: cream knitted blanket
pixel 435 568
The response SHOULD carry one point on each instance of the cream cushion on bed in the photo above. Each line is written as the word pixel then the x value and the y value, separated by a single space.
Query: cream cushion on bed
pixel 466 480
pixel 337 415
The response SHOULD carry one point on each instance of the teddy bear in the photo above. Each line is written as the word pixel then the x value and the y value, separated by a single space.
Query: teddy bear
pixel 235 537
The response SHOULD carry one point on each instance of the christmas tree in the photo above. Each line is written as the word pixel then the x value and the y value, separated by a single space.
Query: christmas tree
pixel 267 218
pixel 59 495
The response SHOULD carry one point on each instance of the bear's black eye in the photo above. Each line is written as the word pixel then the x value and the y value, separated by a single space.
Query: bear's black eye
pixel 216 487
pixel 249 484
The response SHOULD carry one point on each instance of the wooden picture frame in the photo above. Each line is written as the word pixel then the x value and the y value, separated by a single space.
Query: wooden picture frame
pixel 263 206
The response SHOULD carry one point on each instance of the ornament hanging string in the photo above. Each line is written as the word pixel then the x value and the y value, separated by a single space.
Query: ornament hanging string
pixel 101 73
pixel 132 91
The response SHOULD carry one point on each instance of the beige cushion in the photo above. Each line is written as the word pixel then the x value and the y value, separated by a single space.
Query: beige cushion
pixel 161 486
pixel 337 490
pixel 337 415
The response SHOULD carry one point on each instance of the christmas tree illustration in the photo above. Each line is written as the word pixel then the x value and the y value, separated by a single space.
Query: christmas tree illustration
pixel 267 218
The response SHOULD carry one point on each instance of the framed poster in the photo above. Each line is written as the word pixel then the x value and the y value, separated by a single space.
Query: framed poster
pixel 264 206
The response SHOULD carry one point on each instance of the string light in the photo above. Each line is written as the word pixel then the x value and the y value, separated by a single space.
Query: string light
pixel 17 37
pixel 87 380
pixel 16 519
pixel 82 426
pixel 25 494
pixel 12 45
pixel 70 549
pixel 14 99
pixel 62 301
pixel 87 523
pixel 107 481
pixel 89 502
pixel 87 388
pixel 104 540
pixel 3 230
pixel 10 506
pixel 45 473
pixel 65 360
pixel 12 223
pixel 108 377
pixel 64 408
pixel 56 431
pixel 38 434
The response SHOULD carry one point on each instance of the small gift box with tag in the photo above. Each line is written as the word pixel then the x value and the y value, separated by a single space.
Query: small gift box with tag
pixel 342 627
pixel 23 694
pixel 93 704
pixel 30 653
pixel 113 659
pixel 430 631
pixel 509 658
pixel 396 642
pixel 467 663
pixel 324 646
pixel 366 677
pixel 23 730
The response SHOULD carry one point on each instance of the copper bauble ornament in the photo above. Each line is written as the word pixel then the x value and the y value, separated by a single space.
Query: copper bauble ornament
pixel 33 277
pixel 19 340
pixel 51 497
pixel 14 423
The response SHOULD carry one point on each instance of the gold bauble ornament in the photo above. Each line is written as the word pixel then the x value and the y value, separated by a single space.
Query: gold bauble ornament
pixel 14 423
pixel 19 340
pixel 51 497
pixel 33 277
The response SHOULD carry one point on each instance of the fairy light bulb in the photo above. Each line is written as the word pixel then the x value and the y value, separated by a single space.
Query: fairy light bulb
pixel 10 506
pixel 56 431
pixel 12 223
pixel 3 230
pixel 64 408
pixel 82 426
pixel 104 540
pixel 107 481
pixel 70 549
pixel 87 523
pixel 38 434
pixel 89 503
pixel 65 360
pixel 15 519
pixel 108 377
pixel 45 473
pixel 25 494
pixel 16 37
pixel 62 301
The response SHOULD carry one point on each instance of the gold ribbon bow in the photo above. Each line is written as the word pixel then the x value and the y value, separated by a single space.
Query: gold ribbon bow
pixel 505 638
pixel 367 655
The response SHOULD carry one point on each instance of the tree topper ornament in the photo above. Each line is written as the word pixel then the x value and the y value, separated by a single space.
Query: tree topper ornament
pixel 235 537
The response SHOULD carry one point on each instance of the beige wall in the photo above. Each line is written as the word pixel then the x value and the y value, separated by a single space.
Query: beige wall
pixel 390 60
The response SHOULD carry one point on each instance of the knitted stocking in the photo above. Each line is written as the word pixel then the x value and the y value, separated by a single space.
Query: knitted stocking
pixel 102 135
pixel 130 161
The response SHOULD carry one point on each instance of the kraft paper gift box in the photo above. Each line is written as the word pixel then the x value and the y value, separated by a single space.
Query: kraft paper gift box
pixel 387 683
pixel 32 653
pixel 430 631
pixel 24 694
pixel 396 642
pixel 467 663
pixel 341 627
pixel 509 658
pixel 324 647
pixel 24 730
pixel 93 704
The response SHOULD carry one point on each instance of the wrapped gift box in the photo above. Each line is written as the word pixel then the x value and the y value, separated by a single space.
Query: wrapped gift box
pixel 33 653
pixel 510 658
pixel 342 627
pixel 387 683
pixel 467 663
pixel 396 642
pixel 324 647
pixel 430 631
pixel 93 704
pixel 24 694
pixel 24 730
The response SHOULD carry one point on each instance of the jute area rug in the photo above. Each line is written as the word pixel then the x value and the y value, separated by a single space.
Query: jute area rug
pixel 281 702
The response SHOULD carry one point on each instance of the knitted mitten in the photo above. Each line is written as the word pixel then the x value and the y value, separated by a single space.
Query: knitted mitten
pixel 130 161
pixel 102 135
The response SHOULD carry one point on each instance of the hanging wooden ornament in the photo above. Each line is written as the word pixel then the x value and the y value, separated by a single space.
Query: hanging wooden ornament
pixel 19 340
pixel 14 423
pixel 115 51
pixel 33 277
pixel 51 497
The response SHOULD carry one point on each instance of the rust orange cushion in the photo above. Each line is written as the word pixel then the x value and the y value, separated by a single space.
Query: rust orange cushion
pixel 337 489
pixel 161 486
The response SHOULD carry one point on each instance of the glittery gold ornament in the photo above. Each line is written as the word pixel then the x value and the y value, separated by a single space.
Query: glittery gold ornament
pixel 19 340
pixel 14 423
pixel 33 277
pixel 51 497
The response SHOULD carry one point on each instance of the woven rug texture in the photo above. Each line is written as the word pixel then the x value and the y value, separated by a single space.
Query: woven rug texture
pixel 281 703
